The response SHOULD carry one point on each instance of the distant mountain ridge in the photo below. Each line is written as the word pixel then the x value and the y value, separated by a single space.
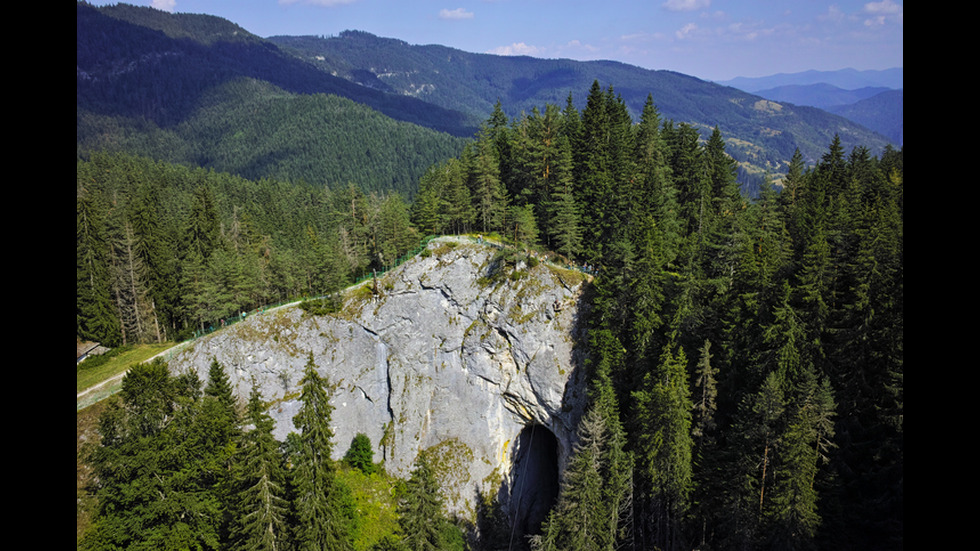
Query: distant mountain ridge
pixel 820 95
pixel 201 90
pixel 761 134
pixel 847 79
pixel 882 112
pixel 872 99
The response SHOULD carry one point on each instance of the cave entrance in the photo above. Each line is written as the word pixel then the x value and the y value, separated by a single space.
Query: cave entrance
pixel 535 479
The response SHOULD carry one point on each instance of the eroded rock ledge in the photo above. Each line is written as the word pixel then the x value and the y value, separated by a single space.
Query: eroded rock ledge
pixel 454 357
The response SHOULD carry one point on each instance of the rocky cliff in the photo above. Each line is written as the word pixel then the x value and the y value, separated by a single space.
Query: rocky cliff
pixel 466 353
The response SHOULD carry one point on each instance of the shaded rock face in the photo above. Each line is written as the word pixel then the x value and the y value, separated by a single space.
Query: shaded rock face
pixel 455 356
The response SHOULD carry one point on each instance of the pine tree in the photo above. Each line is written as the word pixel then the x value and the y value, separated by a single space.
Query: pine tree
pixel 321 525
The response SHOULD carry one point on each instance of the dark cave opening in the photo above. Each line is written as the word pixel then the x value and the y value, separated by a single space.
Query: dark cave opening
pixel 535 479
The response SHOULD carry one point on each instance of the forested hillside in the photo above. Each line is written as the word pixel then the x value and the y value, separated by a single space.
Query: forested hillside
pixel 745 356
pixel 199 90
pixel 202 91
pixel 883 112
pixel 761 135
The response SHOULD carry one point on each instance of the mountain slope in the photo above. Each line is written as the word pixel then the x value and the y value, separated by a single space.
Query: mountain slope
pixel 200 90
pixel 882 112
pixel 760 132
pixel 875 107
pixel 121 49
pixel 822 95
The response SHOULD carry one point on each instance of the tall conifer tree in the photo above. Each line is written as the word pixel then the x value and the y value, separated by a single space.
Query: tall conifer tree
pixel 664 448
pixel 321 524
pixel 95 317
pixel 420 515
pixel 261 513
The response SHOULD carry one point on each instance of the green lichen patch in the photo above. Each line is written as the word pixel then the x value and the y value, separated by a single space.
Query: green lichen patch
pixel 450 461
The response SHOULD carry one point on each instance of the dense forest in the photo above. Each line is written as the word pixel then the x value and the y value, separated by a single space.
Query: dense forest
pixel 164 251
pixel 745 355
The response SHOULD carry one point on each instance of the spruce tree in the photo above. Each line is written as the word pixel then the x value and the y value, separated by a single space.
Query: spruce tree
pixel 321 525
pixel 592 174
pixel 575 523
pixel 95 317
pixel 751 467
pixel 218 415
pixel 155 466
pixel 129 285
pixel 261 511
pixel 595 502
pixel 360 456
pixel 706 453
pixel 420 516
pixel 563 226
pixel 805 447
pixel 664 446
pixel 151 246
pixel 487 191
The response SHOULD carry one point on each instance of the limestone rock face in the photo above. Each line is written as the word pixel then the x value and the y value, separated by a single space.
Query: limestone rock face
pixel 454 355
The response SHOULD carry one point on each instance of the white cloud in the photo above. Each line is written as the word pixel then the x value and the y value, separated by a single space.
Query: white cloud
pixel 517 48
pixel 834 15
pixel 165 5
pixel 325 3
pixel 882 12
pixel 686 31
pixel 885 7
pixel 458 13
pixel 686 5
pixel 576 47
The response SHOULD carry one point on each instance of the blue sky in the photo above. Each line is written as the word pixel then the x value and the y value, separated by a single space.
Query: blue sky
pixel 709 39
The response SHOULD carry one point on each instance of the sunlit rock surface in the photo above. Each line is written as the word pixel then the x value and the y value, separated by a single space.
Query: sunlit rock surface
pixel 454 356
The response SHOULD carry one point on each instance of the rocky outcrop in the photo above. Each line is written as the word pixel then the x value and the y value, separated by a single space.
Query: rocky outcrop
pixel 454 355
